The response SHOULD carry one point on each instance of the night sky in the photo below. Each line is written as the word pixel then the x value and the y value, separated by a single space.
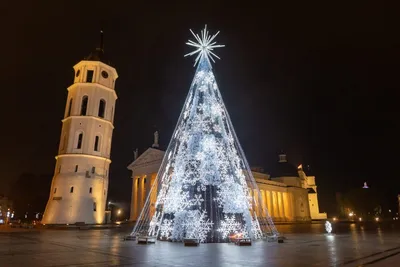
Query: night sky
pixel 316 80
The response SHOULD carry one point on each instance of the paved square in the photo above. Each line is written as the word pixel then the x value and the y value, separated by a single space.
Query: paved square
pixel 107 248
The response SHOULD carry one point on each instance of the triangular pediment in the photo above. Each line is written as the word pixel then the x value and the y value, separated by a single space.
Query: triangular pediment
pixel 149 157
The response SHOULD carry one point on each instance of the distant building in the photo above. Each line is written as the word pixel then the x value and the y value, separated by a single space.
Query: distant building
pixel 80 182
pixel 6 209
pixel 288 193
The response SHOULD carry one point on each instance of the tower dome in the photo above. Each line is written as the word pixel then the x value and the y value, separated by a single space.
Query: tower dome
pixel 283 168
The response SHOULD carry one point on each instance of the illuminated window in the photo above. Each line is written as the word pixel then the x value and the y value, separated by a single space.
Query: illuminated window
pixel 89 76
pixel 96 143
pixel 84 104
pixel 69 108
pixel 90 190
pixel 80 138
pixel 102 108
pixel 71 190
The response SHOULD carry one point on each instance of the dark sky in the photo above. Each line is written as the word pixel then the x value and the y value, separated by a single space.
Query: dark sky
pixel 318 80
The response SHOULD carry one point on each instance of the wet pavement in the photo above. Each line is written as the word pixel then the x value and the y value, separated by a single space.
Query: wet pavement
pixel 305 245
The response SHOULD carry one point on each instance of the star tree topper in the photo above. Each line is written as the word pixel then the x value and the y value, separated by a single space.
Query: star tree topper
pixel 204 46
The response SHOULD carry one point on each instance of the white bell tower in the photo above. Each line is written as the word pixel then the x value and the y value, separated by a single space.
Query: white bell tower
pixel 80 182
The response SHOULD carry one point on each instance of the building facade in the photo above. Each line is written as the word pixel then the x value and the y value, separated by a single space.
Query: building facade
pixel 288 193
pixel 6 209
pixel 79 187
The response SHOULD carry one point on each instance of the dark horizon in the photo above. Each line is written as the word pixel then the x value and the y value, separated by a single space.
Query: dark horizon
pixel 318 82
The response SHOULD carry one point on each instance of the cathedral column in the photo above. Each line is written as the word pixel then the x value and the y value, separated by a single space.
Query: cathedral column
pixel 281 206
pixel 148 188
pixel 134 208
pixel 275 204
pixel 139 196
pixel 269 203
pixel 285 205
pixel 263 203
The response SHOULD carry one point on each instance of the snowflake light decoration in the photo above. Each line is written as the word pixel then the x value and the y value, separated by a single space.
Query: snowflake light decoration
pixel 229 226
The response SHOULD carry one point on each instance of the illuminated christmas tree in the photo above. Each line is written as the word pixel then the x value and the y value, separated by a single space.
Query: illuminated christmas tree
pixel 205 189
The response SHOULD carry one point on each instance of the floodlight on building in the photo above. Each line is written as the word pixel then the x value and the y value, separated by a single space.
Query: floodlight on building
pixel 377 219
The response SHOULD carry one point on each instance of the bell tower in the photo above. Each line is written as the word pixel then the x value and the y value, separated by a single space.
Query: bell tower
pixel 80 183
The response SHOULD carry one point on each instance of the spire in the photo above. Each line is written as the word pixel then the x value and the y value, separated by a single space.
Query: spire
pixel 101 40
pixel 155 144
pixel 98 53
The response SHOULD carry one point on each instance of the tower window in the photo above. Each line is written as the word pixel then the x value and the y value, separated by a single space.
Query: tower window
pixel 102 108
pixel 80 138
pixel 90 190
pixel 69 108
pixel 89 76
pixel 93 169
pixel 55 190
pixel 96 143
pixel 76 168
pixel 94 206
pixel 84 104
pixel 71 190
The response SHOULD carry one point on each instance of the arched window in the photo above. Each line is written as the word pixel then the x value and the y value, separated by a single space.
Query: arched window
pixel 76 168
pixel 96 143
pixel 90 190
pixel 69 107
pixel 80 138
pixel 102 108
pixel 71 190
pixel 84 104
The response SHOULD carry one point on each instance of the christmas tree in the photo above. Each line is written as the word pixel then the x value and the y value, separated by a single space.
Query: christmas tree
pixel 205 189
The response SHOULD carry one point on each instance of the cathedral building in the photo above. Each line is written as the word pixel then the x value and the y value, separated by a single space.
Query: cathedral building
pixel 287 192
pixel 79 187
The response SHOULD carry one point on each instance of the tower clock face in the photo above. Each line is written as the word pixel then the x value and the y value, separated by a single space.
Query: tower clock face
pixel 78 72
pixel 104 74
